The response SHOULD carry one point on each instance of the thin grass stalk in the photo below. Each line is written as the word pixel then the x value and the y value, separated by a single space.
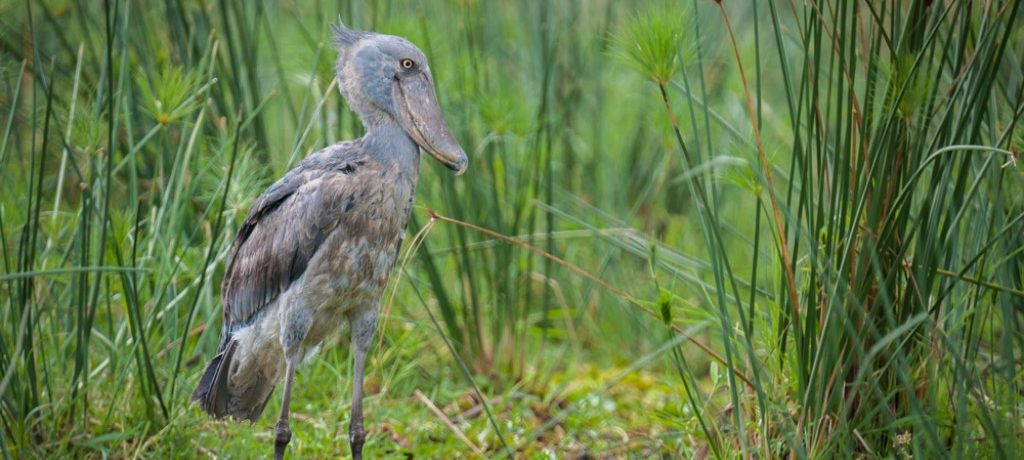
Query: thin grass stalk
pixel 85 325
pixel 67 139
pixel 767 174
pixel 143 356
pixel 9 357
pixel 718 259
pixel 466 374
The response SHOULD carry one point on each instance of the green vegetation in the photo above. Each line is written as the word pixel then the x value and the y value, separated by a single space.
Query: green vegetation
pixel 750 229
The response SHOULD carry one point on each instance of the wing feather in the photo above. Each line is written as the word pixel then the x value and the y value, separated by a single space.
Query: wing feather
pixel 283 231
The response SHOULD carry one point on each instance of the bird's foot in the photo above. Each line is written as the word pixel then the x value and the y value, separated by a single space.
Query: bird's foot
pixel 355 443
pixel 282 435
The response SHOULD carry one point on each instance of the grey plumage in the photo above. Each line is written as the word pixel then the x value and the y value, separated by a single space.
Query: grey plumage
pixel 318 246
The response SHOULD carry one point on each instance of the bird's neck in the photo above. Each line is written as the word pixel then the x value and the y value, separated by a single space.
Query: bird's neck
pixel 389 142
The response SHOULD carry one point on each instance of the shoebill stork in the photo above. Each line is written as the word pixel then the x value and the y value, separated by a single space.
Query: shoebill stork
pixel 317 248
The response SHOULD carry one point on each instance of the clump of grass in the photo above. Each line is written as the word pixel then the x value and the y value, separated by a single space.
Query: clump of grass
pixel 171 96
pixel 649 41
pixel 873 210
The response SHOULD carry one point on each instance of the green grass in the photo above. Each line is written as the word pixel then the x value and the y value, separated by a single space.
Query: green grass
pixel 748 229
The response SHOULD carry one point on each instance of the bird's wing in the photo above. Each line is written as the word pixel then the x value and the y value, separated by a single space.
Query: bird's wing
pixel 282 232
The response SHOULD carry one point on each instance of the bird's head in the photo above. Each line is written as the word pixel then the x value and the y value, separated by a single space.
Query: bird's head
pixel 387 76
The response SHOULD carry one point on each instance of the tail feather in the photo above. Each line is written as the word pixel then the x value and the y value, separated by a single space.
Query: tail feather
pixel 216 395
pixel 211 393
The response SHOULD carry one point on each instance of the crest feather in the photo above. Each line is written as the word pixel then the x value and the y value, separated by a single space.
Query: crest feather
pixel 343 37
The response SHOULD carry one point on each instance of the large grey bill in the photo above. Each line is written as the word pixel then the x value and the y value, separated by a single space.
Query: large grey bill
pixel 423 121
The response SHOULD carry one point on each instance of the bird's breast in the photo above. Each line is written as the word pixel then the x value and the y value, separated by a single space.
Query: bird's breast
pixel 353 267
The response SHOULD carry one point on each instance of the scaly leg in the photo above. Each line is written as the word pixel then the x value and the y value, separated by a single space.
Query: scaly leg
pixel 282 431
pixel 362 325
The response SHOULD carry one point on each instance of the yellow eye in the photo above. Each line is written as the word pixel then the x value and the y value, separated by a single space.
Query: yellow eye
pixel 407 63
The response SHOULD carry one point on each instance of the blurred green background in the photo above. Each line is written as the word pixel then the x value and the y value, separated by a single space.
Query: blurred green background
pixel 775 228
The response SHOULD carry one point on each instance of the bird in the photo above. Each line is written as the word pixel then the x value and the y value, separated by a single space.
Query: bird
pixel 317 248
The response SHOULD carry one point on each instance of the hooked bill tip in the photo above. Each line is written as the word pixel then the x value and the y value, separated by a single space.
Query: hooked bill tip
pixel 459 166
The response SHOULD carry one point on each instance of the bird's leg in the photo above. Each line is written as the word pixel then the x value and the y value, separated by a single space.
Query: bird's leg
pixel 356 433
pixel 282 431
pixel 295 323
pixel 362 326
